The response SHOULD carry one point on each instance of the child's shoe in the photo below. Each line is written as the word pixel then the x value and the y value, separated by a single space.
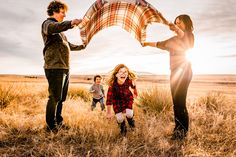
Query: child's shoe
pixel 123 129
pixel 131 122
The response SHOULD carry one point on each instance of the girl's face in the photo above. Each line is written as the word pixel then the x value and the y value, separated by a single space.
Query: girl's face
pixel 122 75
pixel 180 24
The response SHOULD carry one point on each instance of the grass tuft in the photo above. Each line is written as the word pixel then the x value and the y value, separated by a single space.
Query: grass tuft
pixel 155 100
pixel 80 92
pixel 213 101
pixel 7 95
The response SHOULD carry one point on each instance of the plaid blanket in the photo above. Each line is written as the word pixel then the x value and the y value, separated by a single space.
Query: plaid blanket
pixel 131 17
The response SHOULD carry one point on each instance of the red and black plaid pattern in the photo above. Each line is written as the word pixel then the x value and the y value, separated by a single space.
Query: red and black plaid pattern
pixel 120 96
pixel 131 17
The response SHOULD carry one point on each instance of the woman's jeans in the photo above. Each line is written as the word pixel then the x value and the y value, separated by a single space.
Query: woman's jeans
pixel 179 82
pixel 58 81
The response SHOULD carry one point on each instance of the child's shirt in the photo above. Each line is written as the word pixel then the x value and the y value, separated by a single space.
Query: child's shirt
pixel 120 96
pixel 97 90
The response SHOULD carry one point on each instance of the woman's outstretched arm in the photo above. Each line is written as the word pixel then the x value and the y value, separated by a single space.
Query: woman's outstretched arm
pixel 99 3
pixel 160 45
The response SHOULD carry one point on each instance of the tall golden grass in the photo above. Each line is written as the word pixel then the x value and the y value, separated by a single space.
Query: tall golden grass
pixel 155 100
pixel 22 126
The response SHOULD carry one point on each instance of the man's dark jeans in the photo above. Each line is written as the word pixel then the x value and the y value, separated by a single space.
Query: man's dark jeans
pixel 179 82
pixel 58 81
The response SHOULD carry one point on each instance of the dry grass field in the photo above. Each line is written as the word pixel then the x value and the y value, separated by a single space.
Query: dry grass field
pixel 211 105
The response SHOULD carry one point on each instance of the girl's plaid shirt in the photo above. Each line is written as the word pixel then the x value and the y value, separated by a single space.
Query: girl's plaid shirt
pixel 120 96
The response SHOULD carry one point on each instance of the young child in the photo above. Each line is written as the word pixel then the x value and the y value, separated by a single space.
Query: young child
pixel 120 96
pixel 98 92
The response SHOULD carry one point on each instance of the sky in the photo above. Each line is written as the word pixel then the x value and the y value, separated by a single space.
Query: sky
pixel 214 52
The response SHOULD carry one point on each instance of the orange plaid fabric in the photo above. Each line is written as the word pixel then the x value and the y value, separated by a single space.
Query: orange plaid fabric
pixel 131 17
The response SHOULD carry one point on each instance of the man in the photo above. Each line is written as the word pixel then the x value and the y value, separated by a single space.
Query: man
pixel 56 56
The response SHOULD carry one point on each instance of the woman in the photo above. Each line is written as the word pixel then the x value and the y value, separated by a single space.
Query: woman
pixel 181 72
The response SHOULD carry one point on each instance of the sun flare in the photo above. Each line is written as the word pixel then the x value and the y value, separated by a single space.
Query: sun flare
pixel 201 54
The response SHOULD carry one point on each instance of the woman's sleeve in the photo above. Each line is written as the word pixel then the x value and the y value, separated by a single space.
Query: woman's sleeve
pixel 167 44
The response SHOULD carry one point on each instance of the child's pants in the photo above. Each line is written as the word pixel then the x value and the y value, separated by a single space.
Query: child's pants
pixel 95 101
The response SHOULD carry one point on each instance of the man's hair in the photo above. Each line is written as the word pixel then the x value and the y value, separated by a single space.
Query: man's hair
pixel 55 6
pixel 99 76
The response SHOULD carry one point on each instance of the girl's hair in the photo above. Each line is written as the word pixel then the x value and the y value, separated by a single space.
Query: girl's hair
pixel 99 76
pixel 55 6
pixel 112 78
pixel 187 21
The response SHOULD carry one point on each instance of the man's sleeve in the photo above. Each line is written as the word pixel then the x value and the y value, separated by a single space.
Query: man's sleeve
pixel 52 27
pixel 74 47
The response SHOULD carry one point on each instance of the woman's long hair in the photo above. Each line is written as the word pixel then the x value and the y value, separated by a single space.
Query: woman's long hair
pixel 112 77
pixel 188 28
pixel 187 22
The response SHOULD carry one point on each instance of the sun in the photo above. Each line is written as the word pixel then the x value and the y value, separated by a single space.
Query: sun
pixel 201 54
pixel 193 55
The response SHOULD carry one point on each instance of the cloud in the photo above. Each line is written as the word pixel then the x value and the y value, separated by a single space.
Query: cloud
pixel 21 41
pixel 20 30
pixel 228 56
pixel 217 18
pixel 7 48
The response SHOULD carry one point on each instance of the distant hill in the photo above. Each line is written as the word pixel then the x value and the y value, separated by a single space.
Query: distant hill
pixel 142 76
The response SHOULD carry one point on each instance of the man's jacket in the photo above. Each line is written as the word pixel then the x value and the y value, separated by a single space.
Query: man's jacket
pixel 56 47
